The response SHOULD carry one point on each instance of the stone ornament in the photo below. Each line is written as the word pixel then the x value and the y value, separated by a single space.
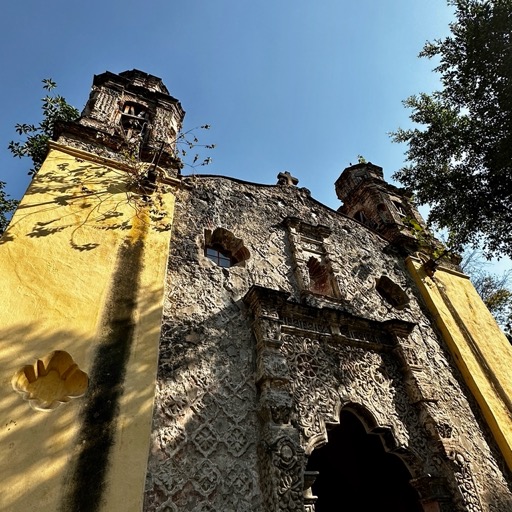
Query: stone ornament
pixel 51 381
pixel 286 178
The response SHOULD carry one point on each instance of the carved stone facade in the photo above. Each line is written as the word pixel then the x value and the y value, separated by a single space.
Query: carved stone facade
pixel 258 359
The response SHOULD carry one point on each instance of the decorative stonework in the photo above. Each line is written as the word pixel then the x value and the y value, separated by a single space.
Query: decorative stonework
pixel 204 454
pixel 253 407
pixel 324 371
pixel 51 381
pixel 464 476
pixel 312 260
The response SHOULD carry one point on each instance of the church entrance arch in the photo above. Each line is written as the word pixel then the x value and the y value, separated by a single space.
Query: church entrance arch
pixel 355 473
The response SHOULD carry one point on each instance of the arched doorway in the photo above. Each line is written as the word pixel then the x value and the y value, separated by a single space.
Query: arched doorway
pixel 356 474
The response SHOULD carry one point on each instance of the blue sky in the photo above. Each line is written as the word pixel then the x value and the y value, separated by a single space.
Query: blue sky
pixel 286 84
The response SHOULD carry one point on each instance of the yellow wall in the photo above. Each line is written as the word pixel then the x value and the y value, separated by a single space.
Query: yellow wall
pixel 76 240
pixel 481 350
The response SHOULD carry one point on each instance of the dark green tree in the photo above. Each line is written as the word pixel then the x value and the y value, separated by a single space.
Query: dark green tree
pixel 459 156
pixel 497 296
pixel 35 145
pixel 7 206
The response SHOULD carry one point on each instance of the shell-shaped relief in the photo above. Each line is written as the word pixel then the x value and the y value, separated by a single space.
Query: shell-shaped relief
pixel 50 381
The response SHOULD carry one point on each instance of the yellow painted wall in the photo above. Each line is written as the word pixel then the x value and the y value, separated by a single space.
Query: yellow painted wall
pixel 57 262
pixel 481 350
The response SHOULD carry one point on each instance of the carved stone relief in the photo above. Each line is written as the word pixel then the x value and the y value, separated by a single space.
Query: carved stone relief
pixel 235 416
pixel 204 449
pixel 105 108
pixel 324 371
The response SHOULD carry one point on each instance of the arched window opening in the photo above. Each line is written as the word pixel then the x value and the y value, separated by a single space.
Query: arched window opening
pixel 356 474
pixel 134 119
pixel 224 248
pixel 320 279
pixel 400 209
pixel 361 217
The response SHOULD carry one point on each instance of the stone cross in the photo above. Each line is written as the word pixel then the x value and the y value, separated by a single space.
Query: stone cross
pixel 285 178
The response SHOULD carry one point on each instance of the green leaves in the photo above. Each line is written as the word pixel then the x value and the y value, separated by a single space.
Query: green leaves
pixel 6 207
pixel 35 145
pixel 459 156
pixel 48 84
pixel 187 141
pixel 496 293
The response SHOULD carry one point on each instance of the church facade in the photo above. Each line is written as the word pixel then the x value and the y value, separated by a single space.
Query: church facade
pixel 202 343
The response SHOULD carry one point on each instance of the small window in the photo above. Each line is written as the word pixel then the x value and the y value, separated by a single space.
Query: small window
pixel 219 256
pixel 320 279
pixel 224 248
pixel 361 217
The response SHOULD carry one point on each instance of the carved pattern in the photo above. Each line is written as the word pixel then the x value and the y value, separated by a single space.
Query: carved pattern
pixel 325 375
pixel 466 483
pixel 105 107
pixel 281 456
pixel 282 467
pixel 205 417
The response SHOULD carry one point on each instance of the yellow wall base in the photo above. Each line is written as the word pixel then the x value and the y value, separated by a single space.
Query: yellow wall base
pixel 82 270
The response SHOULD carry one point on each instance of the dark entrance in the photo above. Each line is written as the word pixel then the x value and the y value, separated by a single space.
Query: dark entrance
pixel 357 475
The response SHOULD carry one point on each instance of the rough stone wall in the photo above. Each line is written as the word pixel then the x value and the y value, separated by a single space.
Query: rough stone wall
pixel 210 419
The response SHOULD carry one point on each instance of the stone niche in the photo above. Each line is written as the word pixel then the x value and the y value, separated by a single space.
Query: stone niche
pixel 51 381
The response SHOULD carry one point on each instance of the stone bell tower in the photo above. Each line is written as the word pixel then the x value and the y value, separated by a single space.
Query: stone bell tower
pixel 129 113
pixel 387 209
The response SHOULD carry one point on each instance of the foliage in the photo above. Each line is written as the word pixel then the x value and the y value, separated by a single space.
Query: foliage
pixel 460 156
pixel 55 108
pixel 6 206
pixel 145 177
pixel 497 296
pixel 426 240
pixel 188 141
